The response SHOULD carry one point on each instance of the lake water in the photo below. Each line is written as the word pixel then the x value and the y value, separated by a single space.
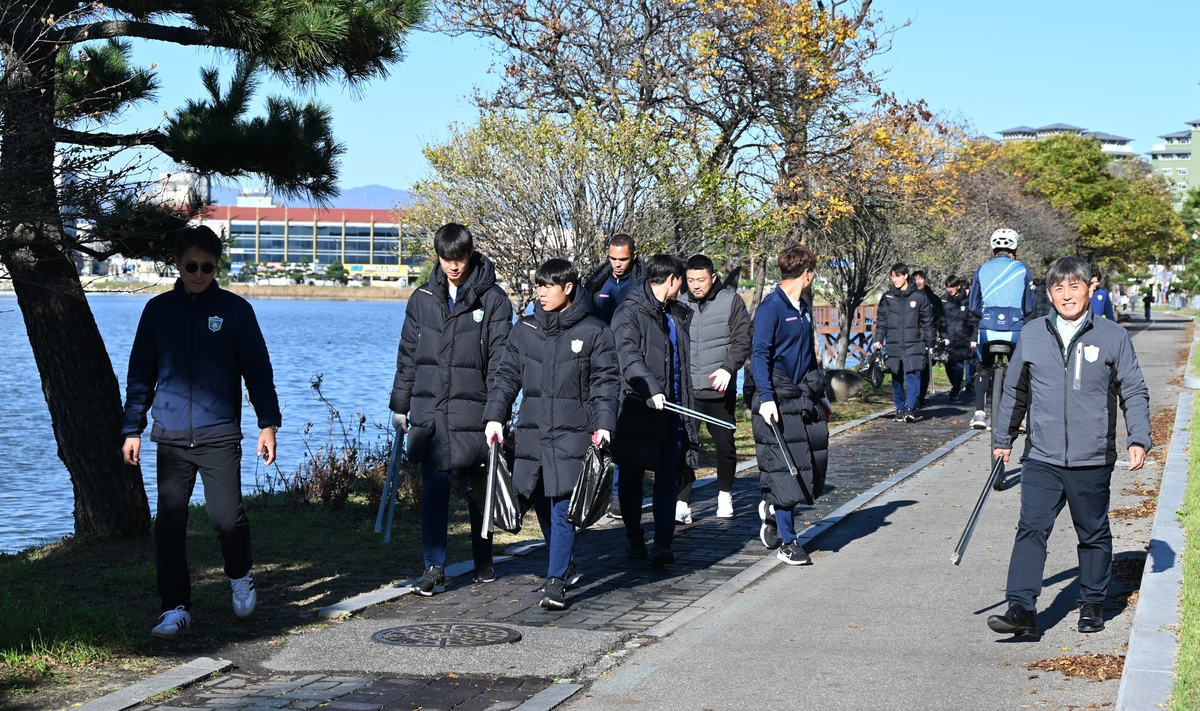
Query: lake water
pixel 352 343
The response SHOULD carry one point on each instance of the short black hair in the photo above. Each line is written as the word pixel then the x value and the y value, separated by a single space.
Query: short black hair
pixel 953 280
pixel 622 240
pixel 558 272
pixel 793 261
pixel 453 241
pixel 661 267
pixel 701 261
pixel 1096 274
pixel 920 273
pixel 900 268
pixel 201 237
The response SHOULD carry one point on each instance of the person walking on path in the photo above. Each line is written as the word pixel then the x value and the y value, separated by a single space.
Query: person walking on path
pixel 958 329
pixel 904 322
pixel 1070 372
pixel 939 315
pixel 720 342
pixel 651 332
pixel 607 286
pixel 1147 301
pixel 1101 301
pixel 564 363
pixel 789 399
pixel 193 347
pixel 1041 300
pixel 455 329
pixel 1002 299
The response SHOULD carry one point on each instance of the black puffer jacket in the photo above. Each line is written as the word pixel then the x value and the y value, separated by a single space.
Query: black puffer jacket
pixel 565 366
pixel 446 363
pixel 644 355
pixel 935 304
pixel 959 325
pixel 805 431
pixel 904 323
pixel 1041 302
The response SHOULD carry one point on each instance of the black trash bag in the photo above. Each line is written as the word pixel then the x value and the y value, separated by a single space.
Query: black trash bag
pixel 874 368
pixel 593 492
pixel 502 507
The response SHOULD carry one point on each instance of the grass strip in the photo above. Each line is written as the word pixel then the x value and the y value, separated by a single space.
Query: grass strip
pixel 1186 694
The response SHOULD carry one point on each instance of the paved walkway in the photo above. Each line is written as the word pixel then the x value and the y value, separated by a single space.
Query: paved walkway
pixel 883 620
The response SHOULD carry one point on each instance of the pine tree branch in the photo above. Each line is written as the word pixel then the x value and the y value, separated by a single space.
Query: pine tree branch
pixel 111 140
pixel 144 30
pixel 99 256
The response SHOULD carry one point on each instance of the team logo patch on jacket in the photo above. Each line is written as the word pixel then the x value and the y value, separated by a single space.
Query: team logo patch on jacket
pixel 477 314
pixel 1091 353
pixel 912 304
pixel 214 323
pixel 576 346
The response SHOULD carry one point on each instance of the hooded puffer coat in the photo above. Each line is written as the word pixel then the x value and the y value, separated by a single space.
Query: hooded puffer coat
pixel 644 355
pixel 447 361
pixel 565 365
pixel 959 325
pixel 904 323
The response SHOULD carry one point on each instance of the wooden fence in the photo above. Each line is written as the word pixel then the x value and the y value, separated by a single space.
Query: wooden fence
pixel 828 321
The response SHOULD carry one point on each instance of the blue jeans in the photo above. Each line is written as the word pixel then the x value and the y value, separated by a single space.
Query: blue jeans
pixel 906 387
pixel 786 521
pixel 664 496
pixel 558 532
pixel 435 513
pixel 955 370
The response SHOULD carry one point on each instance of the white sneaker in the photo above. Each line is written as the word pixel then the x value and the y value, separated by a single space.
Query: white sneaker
pixel 245 597
pixel 683 512
pixel 174 623
pixel 979 420
pixel 725 504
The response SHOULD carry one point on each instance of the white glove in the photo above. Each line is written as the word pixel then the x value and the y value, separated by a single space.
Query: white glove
pixel 720 379
pixel 876 346
pixel 494 431
pixel 601 436
pixel 972 344
pixel 769 411
pixel 656 401
pixel 400 422
pixel 828 408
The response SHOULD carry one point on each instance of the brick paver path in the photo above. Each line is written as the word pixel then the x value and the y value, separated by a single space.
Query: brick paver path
pixel 620 594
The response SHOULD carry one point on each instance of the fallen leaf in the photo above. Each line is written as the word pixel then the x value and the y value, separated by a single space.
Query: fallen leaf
pixel 854 626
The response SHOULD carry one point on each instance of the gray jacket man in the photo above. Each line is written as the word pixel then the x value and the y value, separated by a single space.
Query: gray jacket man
pixel 1071 373
pixel 720 345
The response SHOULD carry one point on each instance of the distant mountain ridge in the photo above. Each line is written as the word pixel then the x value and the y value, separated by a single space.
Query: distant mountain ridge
pixel 375 197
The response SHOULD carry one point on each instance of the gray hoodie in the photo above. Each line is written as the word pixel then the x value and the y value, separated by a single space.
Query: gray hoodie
pixel 1072 401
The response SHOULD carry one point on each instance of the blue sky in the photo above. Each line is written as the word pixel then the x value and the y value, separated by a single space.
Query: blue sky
pixel 1125 68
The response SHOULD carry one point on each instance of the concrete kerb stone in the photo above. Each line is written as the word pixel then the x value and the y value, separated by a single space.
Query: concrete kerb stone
pixel 1189 380
pixel 1149 671
pixel 550 697
pixel 179 677
pixel 358 603
pixel 737 583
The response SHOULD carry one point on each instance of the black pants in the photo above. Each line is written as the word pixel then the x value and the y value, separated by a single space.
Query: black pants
pixel 221 467
pixel 926 374
pixel 722 441
pixel 1045 488
pixel 983 377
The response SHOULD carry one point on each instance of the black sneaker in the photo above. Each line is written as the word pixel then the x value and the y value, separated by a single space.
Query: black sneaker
pixel 433 581
pixel 554 595
pixel 485 574
pixel 614 509
pixel 1017 621
pixel 910 416
pixel 662 556
pixel 1091 617
pixel 572 577
pixel 768 532
pixel 793 554
pixel 635 551
pixel 899 416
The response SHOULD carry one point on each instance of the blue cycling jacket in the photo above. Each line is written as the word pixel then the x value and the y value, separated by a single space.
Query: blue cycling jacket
pixel 188 359
pixel 1002 295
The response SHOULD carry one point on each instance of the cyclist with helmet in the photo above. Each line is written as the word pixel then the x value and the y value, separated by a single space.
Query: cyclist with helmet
pixel 1002 298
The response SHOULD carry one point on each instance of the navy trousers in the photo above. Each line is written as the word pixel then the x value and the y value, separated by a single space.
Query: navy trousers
pixel 1045 488
pixel 558 532
pixel 664 496
pixel 435 512
pixel 906 388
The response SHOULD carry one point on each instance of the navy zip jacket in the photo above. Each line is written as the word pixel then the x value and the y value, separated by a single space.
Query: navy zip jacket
pixel 188 359
pixel 783 341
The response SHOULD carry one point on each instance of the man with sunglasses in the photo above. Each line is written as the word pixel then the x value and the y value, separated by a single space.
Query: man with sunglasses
pixel 193 347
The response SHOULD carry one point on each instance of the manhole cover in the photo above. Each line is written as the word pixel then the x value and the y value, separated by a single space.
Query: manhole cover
pixel 447 634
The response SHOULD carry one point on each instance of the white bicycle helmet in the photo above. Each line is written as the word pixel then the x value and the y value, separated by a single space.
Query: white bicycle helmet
pixel 1004 238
